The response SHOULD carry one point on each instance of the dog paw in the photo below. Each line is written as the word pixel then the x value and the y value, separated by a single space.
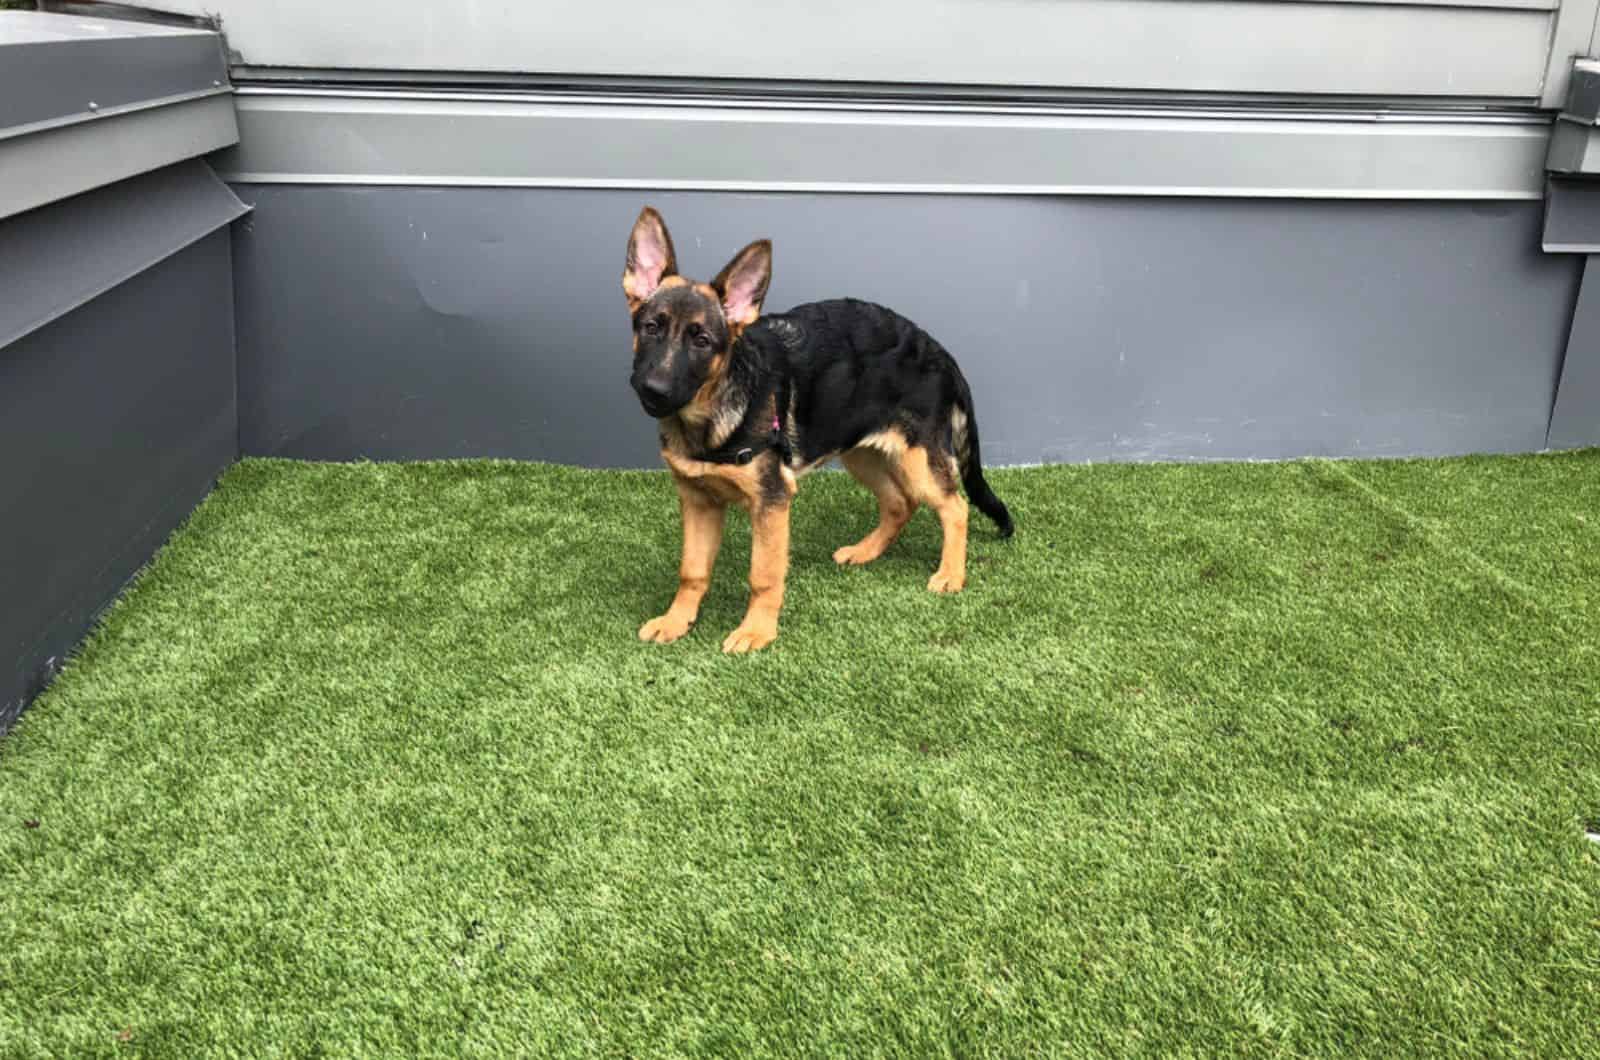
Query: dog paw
pixel 664 630
pixel 749 638
pixel 946 583
pixel 853 555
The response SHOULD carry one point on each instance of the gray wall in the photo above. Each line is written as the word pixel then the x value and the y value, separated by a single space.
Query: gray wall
pixel 117 366
pixel 125 411
pixel 400 322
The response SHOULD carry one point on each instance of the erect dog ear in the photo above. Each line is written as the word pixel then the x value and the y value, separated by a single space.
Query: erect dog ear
pixel 742 285
pixel 650 258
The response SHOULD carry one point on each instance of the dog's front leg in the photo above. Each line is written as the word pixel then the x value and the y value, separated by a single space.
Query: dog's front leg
pixel 702 536
pixel 769 565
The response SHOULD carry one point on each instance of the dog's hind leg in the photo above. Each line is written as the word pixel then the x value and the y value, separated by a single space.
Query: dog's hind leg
pixel 929 477
pixel 873 470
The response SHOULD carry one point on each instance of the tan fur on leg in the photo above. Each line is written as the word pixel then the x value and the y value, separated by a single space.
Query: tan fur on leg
pixel 703 518
pixel 769 566
pixel 874 470
pixel 934 485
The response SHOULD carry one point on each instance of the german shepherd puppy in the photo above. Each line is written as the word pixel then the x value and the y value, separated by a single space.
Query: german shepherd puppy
pixel 748 403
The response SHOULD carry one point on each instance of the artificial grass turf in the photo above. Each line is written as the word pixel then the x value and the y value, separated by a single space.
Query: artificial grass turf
pixel 1265 758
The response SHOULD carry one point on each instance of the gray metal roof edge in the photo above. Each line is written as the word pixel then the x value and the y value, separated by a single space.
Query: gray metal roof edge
pixel 66 67
pixel 157 214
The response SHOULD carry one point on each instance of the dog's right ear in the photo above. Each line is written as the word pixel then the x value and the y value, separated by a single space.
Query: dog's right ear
pixel 650 258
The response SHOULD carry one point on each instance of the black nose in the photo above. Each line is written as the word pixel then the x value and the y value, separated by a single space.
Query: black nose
pixel 655 388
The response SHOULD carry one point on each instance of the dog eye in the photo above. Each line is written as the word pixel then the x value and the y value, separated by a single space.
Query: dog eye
pixel 702 340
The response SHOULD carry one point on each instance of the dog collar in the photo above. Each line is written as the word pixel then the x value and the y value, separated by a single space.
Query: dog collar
pixel 748 453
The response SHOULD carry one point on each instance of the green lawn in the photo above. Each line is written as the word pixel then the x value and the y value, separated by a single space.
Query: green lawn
pixel 1262 759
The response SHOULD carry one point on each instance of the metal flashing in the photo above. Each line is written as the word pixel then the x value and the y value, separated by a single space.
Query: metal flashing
pixel 86 102
pixel 520 139
pixel 1572 217
pixel 57 258
pixel 68 161
pixel 57 68
pixel 1574 423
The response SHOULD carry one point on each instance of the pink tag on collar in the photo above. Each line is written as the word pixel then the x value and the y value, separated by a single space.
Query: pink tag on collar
pixel 776 426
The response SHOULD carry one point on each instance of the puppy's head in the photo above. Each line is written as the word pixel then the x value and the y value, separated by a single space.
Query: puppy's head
pixel 682 330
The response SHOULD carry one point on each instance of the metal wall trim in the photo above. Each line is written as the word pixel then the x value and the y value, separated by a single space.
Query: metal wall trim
pixel 884 99
pixel 744 90
pixel 307 136
pixel 67 161
pixel 54 66
pixel 104 113
pixel 64 255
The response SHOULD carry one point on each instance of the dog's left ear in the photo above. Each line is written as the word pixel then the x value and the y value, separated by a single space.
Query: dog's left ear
pixel 742 285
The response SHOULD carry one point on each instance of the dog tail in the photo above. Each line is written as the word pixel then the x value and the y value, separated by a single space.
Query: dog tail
pixel 964 440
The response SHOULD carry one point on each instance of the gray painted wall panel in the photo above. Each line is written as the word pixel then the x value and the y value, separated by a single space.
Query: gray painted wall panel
pixel 125 411
pixel 413 323
pixel 1575 422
